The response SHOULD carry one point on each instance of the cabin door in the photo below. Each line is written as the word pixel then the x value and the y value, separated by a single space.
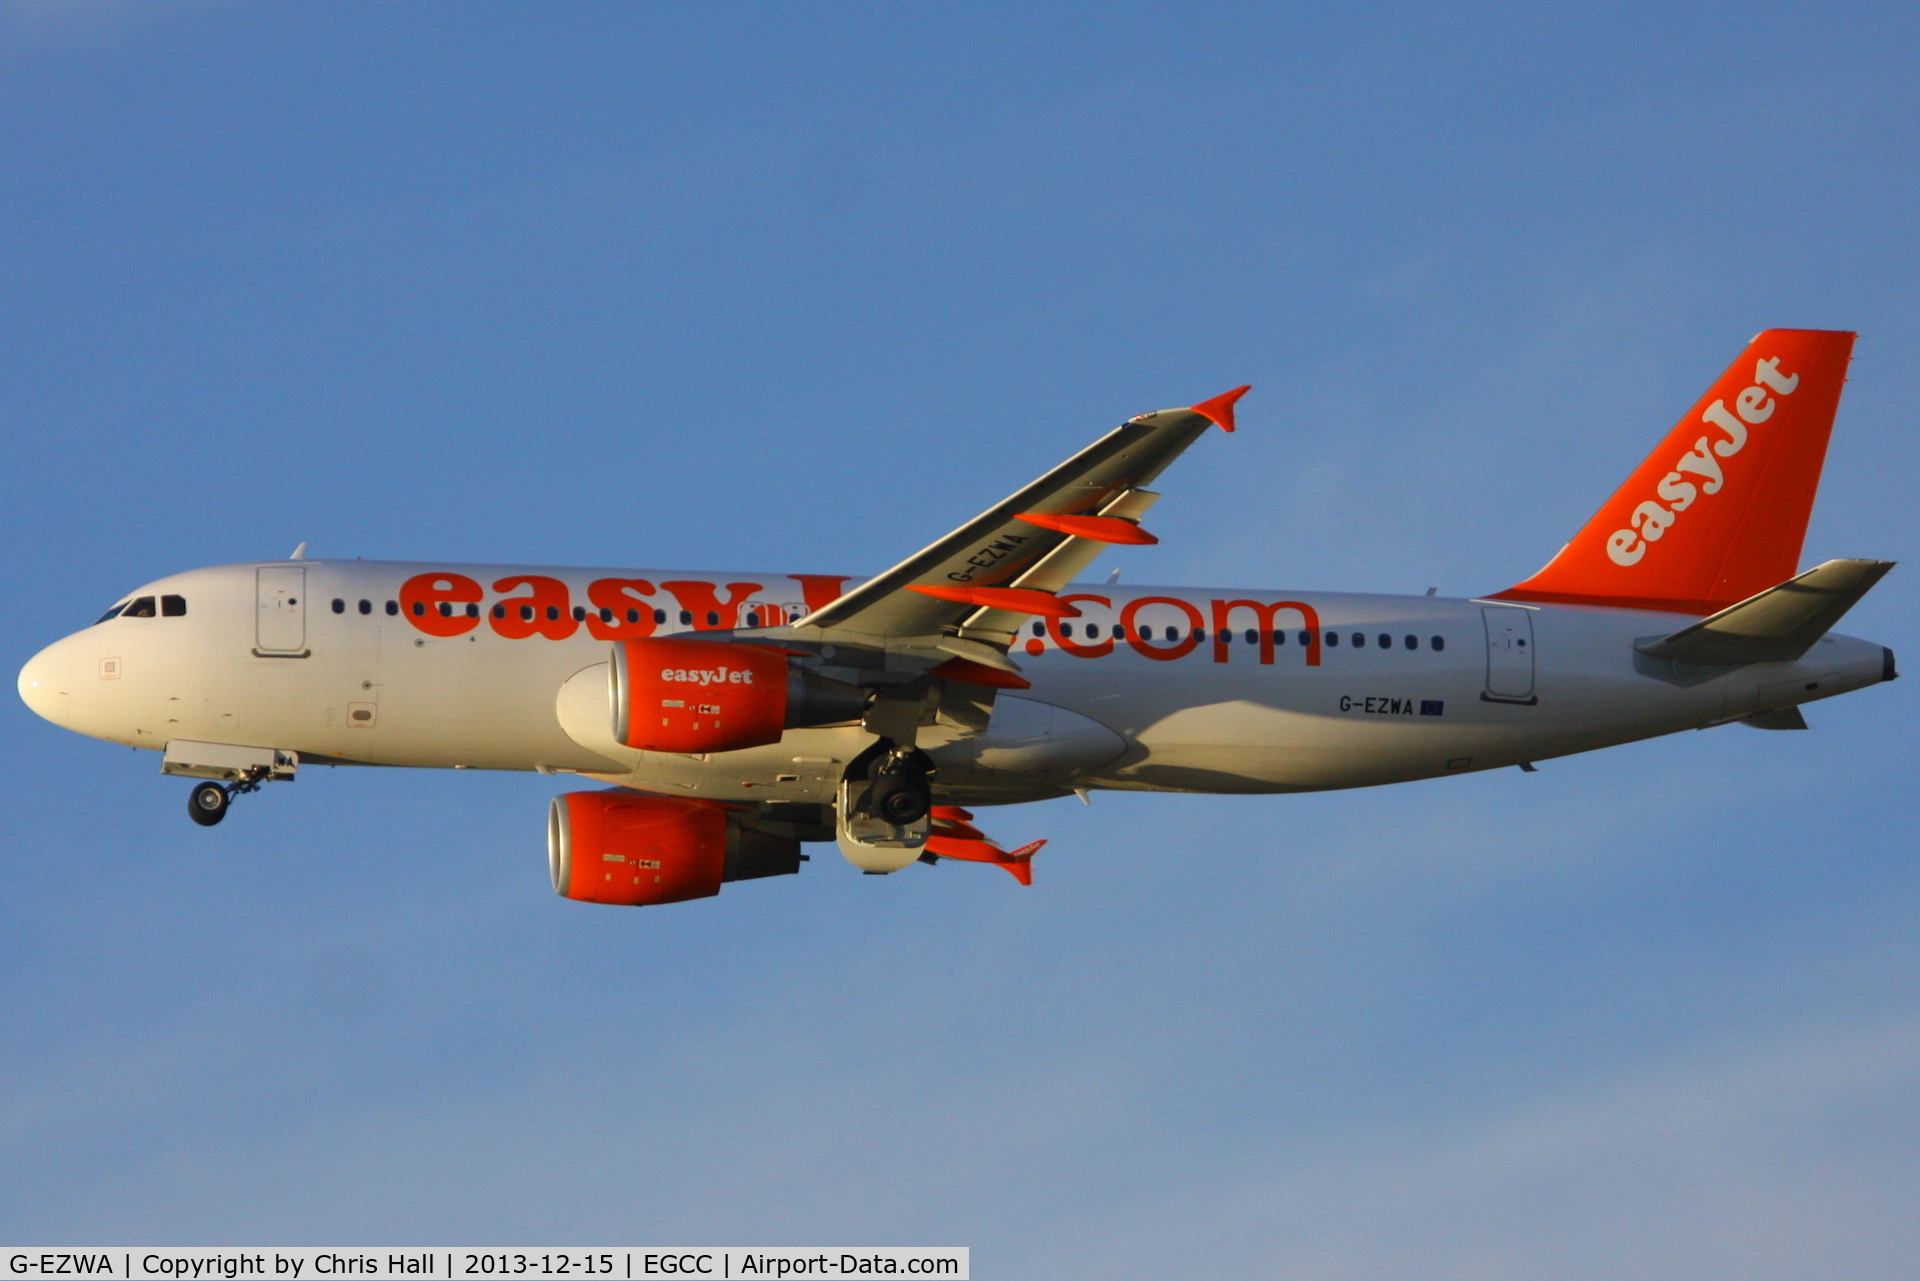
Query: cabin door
pixel 280 615
pixel 1509 653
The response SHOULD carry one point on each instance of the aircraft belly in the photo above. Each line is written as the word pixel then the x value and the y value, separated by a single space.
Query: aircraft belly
pixel 1031 750
pixel 804 766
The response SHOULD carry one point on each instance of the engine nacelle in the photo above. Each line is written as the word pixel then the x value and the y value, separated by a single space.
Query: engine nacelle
pixel 633 849
pixel 692 696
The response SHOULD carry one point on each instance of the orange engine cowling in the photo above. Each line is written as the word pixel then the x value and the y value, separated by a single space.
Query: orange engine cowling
pixel 633 849
pixel 674 695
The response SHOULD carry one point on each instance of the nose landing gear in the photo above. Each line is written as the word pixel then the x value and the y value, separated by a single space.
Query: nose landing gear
pixel 228 771
pixel 207 804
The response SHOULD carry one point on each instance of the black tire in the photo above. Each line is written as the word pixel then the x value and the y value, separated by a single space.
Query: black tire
pixel 208 804
pixel 901 799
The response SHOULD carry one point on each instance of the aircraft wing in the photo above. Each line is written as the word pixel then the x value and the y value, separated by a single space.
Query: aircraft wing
pixel 986 577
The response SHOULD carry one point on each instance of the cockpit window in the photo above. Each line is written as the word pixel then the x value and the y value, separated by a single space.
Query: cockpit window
pixel 142 607
pixel 112 613
pixel 173 607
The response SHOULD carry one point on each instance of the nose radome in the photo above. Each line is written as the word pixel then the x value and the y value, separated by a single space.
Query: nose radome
pixel 43 684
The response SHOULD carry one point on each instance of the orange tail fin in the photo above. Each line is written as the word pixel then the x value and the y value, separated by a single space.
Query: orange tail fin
pixel 1718 512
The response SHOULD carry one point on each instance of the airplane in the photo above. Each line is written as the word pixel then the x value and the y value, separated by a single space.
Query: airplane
pixel 738 716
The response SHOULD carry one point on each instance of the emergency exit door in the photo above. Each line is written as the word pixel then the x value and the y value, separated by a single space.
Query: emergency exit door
pixel 1509 653
pixel 280 615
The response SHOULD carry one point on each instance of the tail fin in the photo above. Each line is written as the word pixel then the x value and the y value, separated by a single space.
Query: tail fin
pixel 1718 512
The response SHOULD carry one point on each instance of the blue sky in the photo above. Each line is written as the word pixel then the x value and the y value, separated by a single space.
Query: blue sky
pixel 802 287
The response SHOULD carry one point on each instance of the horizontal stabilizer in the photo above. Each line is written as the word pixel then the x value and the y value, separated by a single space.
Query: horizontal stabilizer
pixel 1778 625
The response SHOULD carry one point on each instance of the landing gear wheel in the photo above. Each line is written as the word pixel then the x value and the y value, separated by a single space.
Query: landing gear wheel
pixel 208 804
pixel 901 795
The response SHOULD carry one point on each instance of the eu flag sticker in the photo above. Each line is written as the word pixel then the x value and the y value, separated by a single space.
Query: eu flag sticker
pixel 1431 707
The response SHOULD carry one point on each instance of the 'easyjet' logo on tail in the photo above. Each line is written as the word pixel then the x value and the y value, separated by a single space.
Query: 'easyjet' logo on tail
pixel 1651 520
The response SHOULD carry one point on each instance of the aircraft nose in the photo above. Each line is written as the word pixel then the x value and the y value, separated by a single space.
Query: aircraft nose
pixel 44 682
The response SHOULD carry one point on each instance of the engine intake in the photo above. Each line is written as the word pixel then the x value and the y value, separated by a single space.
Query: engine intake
pixel 633 849
pixel 692 696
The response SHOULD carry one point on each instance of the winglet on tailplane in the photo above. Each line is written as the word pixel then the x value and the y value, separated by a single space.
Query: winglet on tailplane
pixel 1716 515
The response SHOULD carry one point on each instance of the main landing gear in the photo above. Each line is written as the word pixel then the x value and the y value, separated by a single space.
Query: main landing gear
pixel 902 792
pixel 885 801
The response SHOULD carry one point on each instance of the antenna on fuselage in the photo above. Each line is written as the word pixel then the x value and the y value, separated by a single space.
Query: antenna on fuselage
pixel 299 553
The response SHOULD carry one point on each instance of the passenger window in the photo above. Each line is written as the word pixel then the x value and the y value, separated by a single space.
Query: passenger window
pixel 659 617
pixel 753 620
pixel 141 608
pixel 446 609
pixel 393 607
pixel 526 613
pixel 1118 631
pixel 1066 630
pixel 1039 629
pixel 499 611
pixel 1146 633
pixel 1413 642
pixel 606 615
pixel 339 606
pixel 419 608
pixel 686 617
pixel 366 607
pixel 1279 637
pixel 553 613
pixel 1438 642
pixel 1386 641
pixel 1332 640
pixel 713 619
pixel 473 611
pixel 112 613
pixel 1359 640
pixel 633 616
pixel 1253 637
pixel 173 607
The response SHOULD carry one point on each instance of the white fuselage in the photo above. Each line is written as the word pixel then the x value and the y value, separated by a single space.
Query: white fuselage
pixel 263 657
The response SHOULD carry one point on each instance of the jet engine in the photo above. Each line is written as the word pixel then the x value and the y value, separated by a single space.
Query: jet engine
pixel 691 696
pixel 633 849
